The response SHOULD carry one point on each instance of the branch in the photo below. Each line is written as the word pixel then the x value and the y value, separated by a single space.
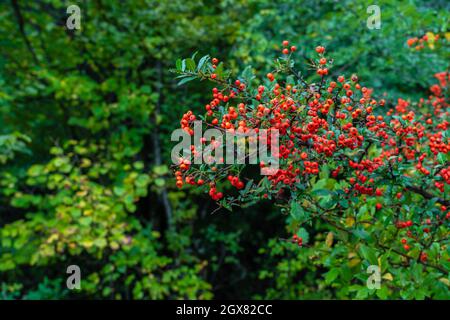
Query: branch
pixel 21 22
pixel 441 269
pixel 427 195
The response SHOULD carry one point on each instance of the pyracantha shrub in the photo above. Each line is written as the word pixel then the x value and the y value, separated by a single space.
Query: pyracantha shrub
pixel 375 172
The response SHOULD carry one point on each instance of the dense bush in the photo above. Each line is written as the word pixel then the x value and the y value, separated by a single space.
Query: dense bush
pixel 85 123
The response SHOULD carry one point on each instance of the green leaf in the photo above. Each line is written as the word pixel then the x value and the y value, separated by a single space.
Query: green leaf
pixel 368 254
pixel 101 243
pixel 247 75
pixel 219 70
pixel 361 233
pixel 322 192
pixel 383 292
pixel 85 221
pixel 202 62
pixel 298 213
pixel 302 233
pixel 178 65
pixel 160 170
pixel 331 275
pixel 247 187
pixel 362 293
pixel 159 182
pixel 119 191
pixel 441 158
pixel 190 64
pixel 187 79
pixel 344 203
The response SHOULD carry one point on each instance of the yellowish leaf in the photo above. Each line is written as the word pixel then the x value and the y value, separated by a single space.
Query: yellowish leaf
pixel 53 237
pixel 445 281
pixel 354 262
pixel 349 221
pixel 447 36
pixel 388 276
pixel 329 239
pixel 430 39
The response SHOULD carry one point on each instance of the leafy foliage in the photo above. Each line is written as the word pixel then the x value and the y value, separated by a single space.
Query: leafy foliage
pixel 85 123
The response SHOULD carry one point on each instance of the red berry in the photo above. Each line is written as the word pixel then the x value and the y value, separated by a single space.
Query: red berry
pixel 320 49
pixel 423 257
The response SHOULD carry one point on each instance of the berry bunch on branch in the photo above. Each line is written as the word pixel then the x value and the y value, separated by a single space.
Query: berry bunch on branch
pixel 371 171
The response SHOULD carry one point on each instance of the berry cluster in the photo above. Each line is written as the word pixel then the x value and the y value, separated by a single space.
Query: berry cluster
pixel 419 43
pixel 298 240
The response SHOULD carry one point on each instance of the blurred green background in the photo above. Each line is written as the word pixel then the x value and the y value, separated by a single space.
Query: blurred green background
pixel 85 123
